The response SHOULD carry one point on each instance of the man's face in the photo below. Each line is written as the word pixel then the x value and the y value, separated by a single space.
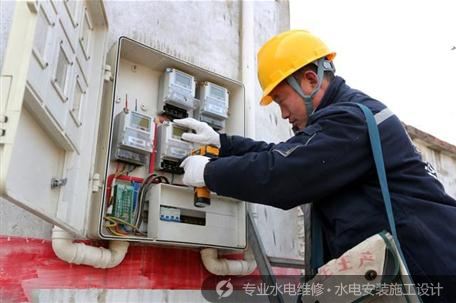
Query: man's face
pixel 291 105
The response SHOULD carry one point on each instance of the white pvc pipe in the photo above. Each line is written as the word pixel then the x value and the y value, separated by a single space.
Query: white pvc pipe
pixel 248 74
pixel 225 267
pixel 80 253
pixel 248 65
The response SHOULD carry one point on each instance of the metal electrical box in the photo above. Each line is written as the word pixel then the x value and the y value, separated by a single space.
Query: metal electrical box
pixel 87 139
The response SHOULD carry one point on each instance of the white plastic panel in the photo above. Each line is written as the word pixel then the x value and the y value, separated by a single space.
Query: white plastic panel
pixel 85 34
pixel 224 220
pixel 36 160
pixel 73 8
pixel 77 108
pixel 46 110
pixel 138 69
pixel 70 13
pixel 82 59
pixel 56 99
pixel 45 24
pixel 43 50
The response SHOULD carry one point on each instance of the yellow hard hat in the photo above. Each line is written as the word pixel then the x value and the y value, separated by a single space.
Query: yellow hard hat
pixel 286 53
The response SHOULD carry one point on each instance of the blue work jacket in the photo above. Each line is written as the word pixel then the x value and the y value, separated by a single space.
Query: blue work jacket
pixel 330 164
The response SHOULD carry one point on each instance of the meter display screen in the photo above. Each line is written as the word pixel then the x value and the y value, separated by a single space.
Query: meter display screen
pixel 139 122
pixel 183 80
pixel 177 132
pixel 217 92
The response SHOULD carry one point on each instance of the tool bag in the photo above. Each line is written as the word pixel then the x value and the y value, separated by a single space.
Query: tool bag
pixel 374 270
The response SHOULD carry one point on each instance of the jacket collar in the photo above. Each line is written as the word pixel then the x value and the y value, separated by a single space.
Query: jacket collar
pixel 335 89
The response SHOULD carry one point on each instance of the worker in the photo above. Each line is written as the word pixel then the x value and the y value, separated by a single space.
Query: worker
pixel 329 163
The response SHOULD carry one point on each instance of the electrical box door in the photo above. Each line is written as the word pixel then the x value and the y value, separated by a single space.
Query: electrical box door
pixel 51 86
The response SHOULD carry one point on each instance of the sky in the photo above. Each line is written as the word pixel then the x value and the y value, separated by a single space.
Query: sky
pixel 400 52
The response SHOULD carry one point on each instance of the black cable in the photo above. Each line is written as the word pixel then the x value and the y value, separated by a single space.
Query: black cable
pixel 141 195
pixel 151 179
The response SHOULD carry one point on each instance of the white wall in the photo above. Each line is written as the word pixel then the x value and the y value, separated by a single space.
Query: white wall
pixel 204 33
pixel 6 16
pixel 443 163
pixel 278 229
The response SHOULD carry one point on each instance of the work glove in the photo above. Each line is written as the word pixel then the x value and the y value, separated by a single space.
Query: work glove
pixel 194 170
pixel 205 135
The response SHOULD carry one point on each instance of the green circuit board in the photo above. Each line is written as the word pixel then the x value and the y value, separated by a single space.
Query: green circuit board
pixel 124 199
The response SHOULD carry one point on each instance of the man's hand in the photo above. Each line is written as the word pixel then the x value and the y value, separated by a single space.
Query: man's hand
pixel 194 170
pixel 205 135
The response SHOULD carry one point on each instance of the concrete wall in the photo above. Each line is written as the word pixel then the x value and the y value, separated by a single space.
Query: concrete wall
pixel 443 162
pixel 278 228
pixel 6 16
pixel 205 33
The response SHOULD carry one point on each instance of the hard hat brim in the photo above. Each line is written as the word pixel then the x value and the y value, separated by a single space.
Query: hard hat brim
pixel 266 100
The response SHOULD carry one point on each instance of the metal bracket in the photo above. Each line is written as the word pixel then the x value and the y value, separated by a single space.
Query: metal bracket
pixel 107 73
pixel 262 259
pixel 96 184
pixel 3 119
pixel 58 182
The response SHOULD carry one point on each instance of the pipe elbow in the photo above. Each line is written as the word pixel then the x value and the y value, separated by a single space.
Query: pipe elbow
pixel 118 251
pixel 80 253
pixel 223 267
pixel 212 263
pixel 62 244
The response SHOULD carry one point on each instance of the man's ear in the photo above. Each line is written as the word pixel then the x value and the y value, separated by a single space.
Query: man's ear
pixel 310 78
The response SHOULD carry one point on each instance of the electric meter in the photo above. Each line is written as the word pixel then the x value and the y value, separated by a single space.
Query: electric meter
pixel 171 148
pixel 176 96
pixel 213 108
pixel 132 137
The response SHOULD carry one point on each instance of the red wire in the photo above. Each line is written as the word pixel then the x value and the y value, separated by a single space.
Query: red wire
pixel 121 177
pixel 154 152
